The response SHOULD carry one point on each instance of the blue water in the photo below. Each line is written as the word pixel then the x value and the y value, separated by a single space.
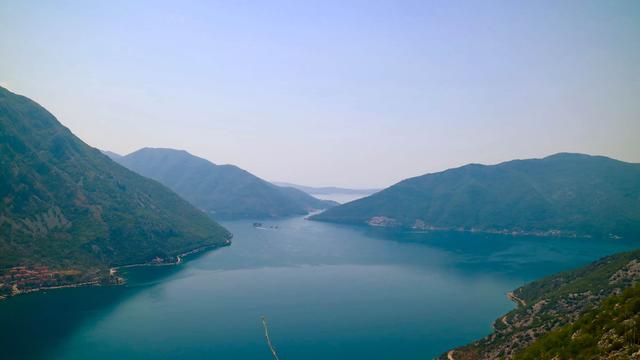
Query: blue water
pixel 328 292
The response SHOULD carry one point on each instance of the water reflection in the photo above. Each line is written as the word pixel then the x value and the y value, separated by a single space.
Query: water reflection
pixel 35 324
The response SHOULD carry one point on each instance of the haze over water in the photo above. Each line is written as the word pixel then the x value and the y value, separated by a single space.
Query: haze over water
pixel 328 291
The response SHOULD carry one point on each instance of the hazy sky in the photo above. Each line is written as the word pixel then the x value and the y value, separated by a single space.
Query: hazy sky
pixel 351 93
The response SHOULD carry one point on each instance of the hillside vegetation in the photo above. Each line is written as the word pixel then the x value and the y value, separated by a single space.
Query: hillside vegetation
pixel 223 191
pixel 563 194
pixel 65 205
pixel 610 331
pixel 555 302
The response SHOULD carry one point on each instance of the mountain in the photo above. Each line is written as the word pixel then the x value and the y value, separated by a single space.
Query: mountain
pixel 66 206
pixel 553 303
pixel 563 194
pixel 326 190
pixel 111 154
pixel 224 191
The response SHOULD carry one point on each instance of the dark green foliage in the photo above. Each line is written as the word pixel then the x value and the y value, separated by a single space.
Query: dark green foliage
pixel 224 191
pixel 65 204
pixel 568 194
pixel 612 330
pixel 557 301
pixel 594 277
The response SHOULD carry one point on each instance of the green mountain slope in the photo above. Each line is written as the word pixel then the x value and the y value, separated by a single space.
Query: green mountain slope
pixel 569 194
pixel 553 302
pixel 65 205
pixel 610 331
pixel 224 191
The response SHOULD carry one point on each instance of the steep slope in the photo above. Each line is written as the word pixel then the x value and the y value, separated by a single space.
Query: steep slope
pixel 224 191
pixel 610 331
pixel 568 194
pixel 65 205
pixel 553 302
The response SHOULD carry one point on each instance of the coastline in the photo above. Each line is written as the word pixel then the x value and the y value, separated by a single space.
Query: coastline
pixel 426 229
pixel 112 278
pixel 512 296
pixel 95 282
pixel 178 258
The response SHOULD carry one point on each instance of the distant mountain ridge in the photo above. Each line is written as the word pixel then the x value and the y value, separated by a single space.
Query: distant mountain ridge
pixel 326 190
pixel 223 191
pixel 65 205
pixel 111 154
pixel 562 194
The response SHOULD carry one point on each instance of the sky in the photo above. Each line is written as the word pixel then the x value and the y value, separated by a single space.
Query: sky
pixel 345 93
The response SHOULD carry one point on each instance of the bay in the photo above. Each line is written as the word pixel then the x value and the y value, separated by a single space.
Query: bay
pixel 328 292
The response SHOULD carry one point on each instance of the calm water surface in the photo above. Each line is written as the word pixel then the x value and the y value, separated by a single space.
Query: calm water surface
pixel 328 291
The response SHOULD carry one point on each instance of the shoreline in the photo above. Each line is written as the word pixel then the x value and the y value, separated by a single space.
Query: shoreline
pixel 67 286
pixel 112 279
pixel 178 257
pixel 512 296
pixel 426 229
pixel 551 233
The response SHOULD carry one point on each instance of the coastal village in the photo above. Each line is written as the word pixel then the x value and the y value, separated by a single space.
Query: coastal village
pixel 420 225
pixel 22 279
